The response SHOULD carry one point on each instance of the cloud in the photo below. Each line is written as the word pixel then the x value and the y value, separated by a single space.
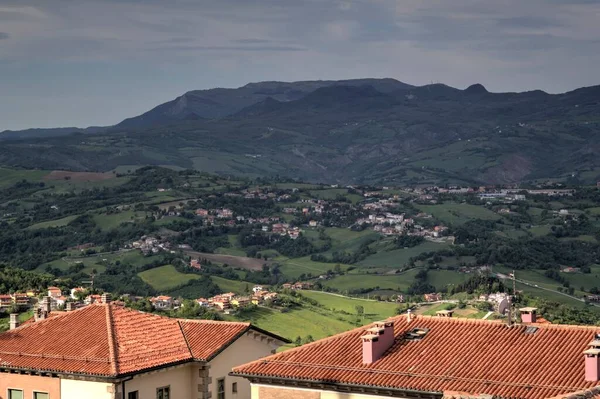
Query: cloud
pixel 4 36
pixel 508 45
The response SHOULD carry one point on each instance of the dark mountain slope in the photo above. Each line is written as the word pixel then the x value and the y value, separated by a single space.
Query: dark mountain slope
pixel 218 103
pixel 354 133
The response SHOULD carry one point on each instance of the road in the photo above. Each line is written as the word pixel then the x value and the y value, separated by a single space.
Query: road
pixel 505 277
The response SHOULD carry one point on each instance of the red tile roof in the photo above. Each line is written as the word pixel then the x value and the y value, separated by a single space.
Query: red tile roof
pixel 109 340
pixel 459 355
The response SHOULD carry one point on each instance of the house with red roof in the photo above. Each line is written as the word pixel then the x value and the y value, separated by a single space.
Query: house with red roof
pixel 54 292
pixel 106 351
pixel 437 357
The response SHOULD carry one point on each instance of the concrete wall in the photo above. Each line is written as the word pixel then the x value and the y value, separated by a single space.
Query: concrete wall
pixel 245 349
pixel 74 389
pixel 29 384
pixel 178 378
pixel 275 392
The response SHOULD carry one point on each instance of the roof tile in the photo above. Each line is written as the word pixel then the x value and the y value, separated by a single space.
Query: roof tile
pixel 460 355
pixel 110 340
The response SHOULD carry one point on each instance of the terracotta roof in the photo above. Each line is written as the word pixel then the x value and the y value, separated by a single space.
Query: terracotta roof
pixel 480 357
pixel 110 340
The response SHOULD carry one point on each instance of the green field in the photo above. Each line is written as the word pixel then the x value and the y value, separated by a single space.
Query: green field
pixel 112 221
pixel 297 266
pixel 133 258
pixel 456 214
pixel 165 277
pixel 373 310
pixel 239 287
pixel 53 223
pixel 332 193
pixel 348 282
pixel 299 323
pixel 8 177
pixel 400 257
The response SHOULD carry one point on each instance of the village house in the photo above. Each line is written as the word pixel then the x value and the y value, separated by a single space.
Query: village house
pixel 201 212
pixel 195 264
pixel 54 292
pixel 76 290
pixel 224 213
pixel 433 297
pixel 6 301
pixel 439 357
pixel 109 352
pixel 162 302
pixel 21 300
pixel 240 302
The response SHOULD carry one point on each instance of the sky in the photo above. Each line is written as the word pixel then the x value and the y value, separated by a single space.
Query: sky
pixel 96 62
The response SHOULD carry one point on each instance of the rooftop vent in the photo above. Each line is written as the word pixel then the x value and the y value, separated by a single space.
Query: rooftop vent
pixel 416 334
pixel 531 330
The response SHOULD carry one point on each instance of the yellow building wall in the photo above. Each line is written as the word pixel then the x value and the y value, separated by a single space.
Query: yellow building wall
pixel 245 349
pixel 178 378
pixel 73 389
pixel 259 391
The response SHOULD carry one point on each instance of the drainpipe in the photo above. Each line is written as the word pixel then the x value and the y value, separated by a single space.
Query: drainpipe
pixel 123 385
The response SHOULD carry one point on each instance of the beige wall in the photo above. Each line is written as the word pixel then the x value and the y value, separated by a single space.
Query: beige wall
pixel 29 384
pixel 179 378
pixel 275 392
pixel 244 350
pixel 74 389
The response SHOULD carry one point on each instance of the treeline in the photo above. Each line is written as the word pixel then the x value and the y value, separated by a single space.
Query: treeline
pixel 19 280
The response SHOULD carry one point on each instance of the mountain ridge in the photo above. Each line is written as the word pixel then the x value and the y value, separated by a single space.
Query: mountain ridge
pixel 342 132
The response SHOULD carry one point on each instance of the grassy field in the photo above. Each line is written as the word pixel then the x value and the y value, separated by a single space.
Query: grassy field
pixel 332 193
pixel 373 310
pixel 53 223
pixel 446 278
pixel 112 221
pixel 8 177
pixel 165 277
pixel 132 258
pixel 239 287
pixel 299 322
pixel 396 282
pixel 456 214
pixel 297 266
pixel 400 257
pixel 347 240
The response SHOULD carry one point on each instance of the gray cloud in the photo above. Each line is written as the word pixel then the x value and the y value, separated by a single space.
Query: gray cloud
pixel 85 51
pixel 4 36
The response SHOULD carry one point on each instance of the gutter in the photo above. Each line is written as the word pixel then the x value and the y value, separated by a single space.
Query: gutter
pixel 401 391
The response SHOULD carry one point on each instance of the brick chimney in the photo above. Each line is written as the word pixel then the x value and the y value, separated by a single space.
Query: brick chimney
pixel 44 309
pixel 377 340
pixel 592 361
pixel 14 321
pixel 105 298
pixel 528 315
pixel 445 313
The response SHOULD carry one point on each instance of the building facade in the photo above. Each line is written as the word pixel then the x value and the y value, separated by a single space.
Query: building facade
pixel 105 351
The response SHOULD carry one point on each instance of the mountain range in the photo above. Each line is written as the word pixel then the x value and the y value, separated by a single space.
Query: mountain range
pixel 350 131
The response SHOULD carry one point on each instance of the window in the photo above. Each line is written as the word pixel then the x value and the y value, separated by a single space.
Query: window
pixel 163 393
pixel 133 395
pixel 221 388
pixel 40 395
pixel 234 387
pixel 15 394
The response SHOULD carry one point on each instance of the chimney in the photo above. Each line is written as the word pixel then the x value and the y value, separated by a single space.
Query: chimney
pixel 528 315
pixel 14 320
pixel 377 340
pixel 408 316
pixel 592 361
pixel 105 298
pixel 445 313
pixel 69 306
